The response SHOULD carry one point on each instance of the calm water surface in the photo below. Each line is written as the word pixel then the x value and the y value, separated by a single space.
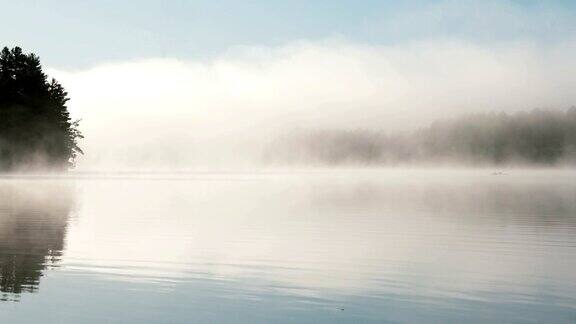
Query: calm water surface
pixel 315 247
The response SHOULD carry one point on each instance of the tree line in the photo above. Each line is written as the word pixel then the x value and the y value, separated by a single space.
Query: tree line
pixel 540 137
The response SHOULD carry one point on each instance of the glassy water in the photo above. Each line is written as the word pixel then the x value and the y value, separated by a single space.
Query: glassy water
pixel 308 247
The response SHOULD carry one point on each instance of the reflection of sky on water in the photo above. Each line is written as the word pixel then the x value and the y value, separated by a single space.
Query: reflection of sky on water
pixel 298 248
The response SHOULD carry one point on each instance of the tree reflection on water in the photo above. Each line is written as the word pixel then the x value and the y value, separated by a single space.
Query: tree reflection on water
pixel 33 222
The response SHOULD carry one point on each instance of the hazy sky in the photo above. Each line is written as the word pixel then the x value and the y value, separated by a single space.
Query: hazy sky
pixel 70 33
pixel 191 82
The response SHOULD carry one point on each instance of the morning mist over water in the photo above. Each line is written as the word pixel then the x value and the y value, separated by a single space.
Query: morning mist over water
pixel 288 161
pixel 290 247
pixel 232 112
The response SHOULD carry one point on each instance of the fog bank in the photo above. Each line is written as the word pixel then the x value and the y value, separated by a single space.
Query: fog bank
pixel 163 113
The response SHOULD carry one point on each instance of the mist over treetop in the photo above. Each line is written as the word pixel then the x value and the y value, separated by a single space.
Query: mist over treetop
pixel 537 137
pixel 201 113
pixel 35 126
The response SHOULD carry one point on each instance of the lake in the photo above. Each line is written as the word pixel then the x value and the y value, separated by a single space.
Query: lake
pixel 343 246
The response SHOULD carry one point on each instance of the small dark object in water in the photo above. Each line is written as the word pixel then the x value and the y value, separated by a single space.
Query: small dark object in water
pixel 498 173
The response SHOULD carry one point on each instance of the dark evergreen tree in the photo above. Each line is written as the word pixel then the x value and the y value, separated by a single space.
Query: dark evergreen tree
pixel 35 126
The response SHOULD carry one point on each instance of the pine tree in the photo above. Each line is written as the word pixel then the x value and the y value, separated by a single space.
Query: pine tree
pixel 35 125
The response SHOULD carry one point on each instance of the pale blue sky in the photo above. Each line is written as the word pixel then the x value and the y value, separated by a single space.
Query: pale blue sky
pixel 72 34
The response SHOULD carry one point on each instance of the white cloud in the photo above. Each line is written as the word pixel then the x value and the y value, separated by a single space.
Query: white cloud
pixel 150 112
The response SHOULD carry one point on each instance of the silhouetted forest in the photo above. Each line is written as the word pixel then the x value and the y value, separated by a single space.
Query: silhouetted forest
pixel 544 137
pixel 35 126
